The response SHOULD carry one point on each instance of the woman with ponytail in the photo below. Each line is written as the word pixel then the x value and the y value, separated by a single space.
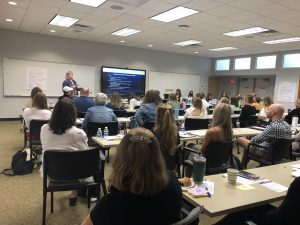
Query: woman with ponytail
pixel 166 132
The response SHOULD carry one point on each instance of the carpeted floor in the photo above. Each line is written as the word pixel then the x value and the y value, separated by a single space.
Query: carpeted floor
pixel 21 196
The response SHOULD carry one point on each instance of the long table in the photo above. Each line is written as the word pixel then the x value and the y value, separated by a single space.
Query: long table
pixel 227 198
pixel 198 135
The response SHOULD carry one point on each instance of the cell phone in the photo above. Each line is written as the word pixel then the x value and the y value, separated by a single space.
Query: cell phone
pixel 247 174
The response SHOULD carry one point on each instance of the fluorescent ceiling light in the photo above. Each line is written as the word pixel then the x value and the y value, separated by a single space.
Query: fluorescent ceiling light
pixel 52 31
pixel 150 46
pixel 9 20
pixel 188 42
pixel 222 49
pixel 63 21
pixel 122 41
pixel 12 3
pixel 125 32
pixel 252 30
pixel 174 14
pixel 93 3
pixel 280 41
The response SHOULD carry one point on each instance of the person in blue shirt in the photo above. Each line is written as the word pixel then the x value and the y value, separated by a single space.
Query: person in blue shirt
pixel 70 82
pixel 147 111
pixel 83 103
pixel 99 113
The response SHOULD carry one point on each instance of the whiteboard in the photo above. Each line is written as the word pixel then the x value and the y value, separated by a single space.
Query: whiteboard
pixel 185 82
pixel 21 75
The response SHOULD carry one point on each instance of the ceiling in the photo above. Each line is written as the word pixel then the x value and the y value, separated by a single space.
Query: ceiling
pixel 216 17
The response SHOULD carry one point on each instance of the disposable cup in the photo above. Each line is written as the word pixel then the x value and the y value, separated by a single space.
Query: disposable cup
pixel 232 175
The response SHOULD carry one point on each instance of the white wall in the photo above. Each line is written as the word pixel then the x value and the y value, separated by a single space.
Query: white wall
pixel 22 45
pixel 282 75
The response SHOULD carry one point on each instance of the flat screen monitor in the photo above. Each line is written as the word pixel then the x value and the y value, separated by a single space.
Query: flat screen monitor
pixel 123 81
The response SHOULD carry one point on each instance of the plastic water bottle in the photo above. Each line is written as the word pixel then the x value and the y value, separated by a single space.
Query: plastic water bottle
pixel 105 132
pixel 51 104
pixel 182 128
pixel 99 132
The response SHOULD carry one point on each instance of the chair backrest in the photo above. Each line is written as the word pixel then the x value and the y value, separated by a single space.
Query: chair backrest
pixel 191 217
pixel 281 149
pixel 181 112
pixel 149 125
pixel 165 100
pixel 71 165
pixel 137 107
pixel 81 114
pixel 217 153
pixel 35 128
pixel 234 122
pixel 120 113
pixel 195 124
pixel 251 120
pixel 92 127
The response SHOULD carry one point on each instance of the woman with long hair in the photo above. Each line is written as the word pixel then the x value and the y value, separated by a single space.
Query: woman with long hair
pixel 133 100
pixel 221 129
pixel 32 94
pixel 166 131
pixel 262 115
pixel 142 191
pixel 115 102
pixel 61 133
pixel 247 111
pixel 196 110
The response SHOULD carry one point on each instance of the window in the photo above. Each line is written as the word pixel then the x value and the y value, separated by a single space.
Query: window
pixel 222 64
pixel 242 63
pixel 291 60
pixel 266 62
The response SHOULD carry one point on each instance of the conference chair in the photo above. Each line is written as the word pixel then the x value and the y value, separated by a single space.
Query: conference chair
pixel 191 217
pixel 218 157
pixel 34 138
pixel 195 124
pixel 165 101
pixel 92 128
pixel 181 112
pixel 67 170
pixel 251 120
pixel 149 125
pixel 280 152
pixel 173 162
pixel 81 114
pixel 137 107
pixel 120 113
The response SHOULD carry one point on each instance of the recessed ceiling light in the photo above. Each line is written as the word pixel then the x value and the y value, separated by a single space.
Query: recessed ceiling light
pixel 63 21
pixel 125 32
pixel 93 3
pixel 222 49
pixel 196 52
pixel 150 46
pixel 52 31
pixel 12 3
pixel 252 30
pixel 188 42
pixel 122 41
pixel 280 41
pixel 174 14
pixel 8 20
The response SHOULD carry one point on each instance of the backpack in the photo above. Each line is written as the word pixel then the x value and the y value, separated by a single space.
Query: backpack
pixel 19 165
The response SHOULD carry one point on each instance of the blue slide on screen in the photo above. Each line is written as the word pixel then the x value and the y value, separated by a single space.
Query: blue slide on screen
pixel 123 81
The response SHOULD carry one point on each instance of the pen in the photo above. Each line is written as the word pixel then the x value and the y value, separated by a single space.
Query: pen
pixel 208 194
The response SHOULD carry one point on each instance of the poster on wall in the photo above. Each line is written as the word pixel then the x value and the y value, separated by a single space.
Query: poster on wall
pixel 36 77
pixel 286 92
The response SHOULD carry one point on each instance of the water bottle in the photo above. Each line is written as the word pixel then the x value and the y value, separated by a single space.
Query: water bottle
pixel 105 132
pixel 99 132
pixel 51 104
pixel 182 128
pixel 199 166
pixel 295 122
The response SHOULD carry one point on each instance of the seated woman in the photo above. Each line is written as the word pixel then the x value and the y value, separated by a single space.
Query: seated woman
pixel 295 112
pixel 133 100
pixel 61 133
pixel 196 110
pixel 142 191
pixel 147 111
pixel 33 92
pixel 173 101
pixel 115 102
pixel 286 213
pixel 39 110
pixel 247 111
pixel 262 115
pixel 166 131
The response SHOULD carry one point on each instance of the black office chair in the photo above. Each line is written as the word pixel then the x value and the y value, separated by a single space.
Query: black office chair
pixel 81 114
pixel 120 113
pixel 250 120
pixel 218 157
pixel 195 124
pixel 174 161
pixel 191 217
pixel 165 100
pixel 280 152
pixel 181 112
pixel 149 125
pixel 137 107
pixel 34 138
pixel 234 122
pixel 92 128
pixel 63 169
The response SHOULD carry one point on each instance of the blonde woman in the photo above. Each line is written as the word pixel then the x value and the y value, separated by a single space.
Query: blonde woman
pixel 262 115
pixel 70 82
pixel 221 129
pixel 197 110
pixel 115 102
pixel 142 192
pixel 166 132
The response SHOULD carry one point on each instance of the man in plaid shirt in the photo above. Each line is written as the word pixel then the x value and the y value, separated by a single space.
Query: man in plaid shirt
pixel 278 128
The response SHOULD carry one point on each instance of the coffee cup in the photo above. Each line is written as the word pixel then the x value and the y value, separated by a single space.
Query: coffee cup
pixel 232 175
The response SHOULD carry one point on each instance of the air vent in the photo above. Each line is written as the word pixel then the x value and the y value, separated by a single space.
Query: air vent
pixel 116 7
pixel 194 45
pixel 81 27
pixel 134 3
pixel 268 33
